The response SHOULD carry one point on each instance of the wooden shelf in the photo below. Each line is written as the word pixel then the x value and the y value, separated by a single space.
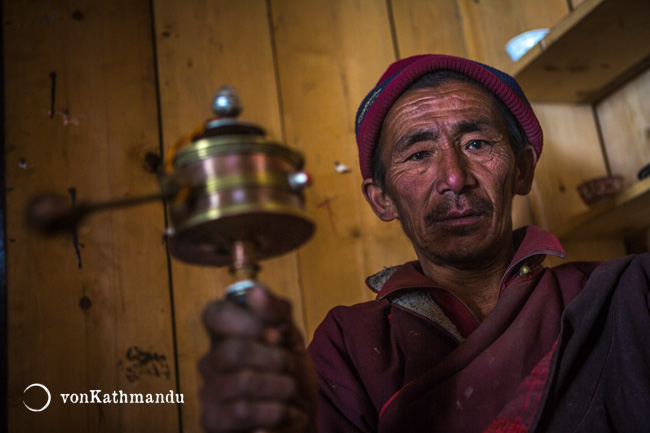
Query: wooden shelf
pixel 595 49
pixel 626 214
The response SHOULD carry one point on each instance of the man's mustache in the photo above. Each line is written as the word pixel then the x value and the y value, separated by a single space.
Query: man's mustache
pixel 478 206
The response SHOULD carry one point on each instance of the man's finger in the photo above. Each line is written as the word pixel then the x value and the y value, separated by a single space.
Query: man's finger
pixel 224 319
pixel 268 307
pixel 277 313
pixel 235 354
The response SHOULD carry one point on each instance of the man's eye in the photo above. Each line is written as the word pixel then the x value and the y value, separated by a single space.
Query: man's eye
pixel 417 156
pixel 476 144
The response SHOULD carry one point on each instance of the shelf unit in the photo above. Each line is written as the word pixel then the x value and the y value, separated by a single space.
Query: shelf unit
pixel 626 214
pixel 592 51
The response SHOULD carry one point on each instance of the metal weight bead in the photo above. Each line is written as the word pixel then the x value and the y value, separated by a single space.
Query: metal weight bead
pixel 226 102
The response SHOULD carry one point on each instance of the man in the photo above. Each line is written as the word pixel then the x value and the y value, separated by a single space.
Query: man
pixel 476 335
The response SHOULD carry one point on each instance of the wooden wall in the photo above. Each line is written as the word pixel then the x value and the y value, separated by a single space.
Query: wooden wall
pixel 96 89
pixel 91 311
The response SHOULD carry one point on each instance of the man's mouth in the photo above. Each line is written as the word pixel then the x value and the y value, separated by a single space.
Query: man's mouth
pixel 460 216
pixel 457 218
pixel 460 211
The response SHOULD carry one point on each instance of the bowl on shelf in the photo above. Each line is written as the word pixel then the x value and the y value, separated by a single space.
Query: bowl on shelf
pixel 600 189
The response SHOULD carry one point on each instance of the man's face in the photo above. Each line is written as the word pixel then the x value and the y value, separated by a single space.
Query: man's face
pixel 451 174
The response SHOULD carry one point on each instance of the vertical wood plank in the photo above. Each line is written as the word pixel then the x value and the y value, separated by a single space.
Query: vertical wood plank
pixel 330 53
pixel 489 25
pixel 201 46
pixel 92 312
pixel 571 155
pixel 624 120
pixel 426 27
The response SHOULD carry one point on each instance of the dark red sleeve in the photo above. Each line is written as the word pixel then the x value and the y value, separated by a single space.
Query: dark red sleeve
pixel 344 405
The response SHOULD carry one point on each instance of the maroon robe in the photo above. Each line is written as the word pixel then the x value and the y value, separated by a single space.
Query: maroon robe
pixel 417 359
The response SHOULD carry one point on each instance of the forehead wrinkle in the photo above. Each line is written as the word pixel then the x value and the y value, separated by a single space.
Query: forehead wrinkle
pixel 467 126
pixel 414 137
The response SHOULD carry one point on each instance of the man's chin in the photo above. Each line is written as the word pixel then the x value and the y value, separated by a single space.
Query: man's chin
pixel 462 246
pixel 461 258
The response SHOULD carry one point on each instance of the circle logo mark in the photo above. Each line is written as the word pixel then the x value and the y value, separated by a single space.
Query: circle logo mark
pixel 49 397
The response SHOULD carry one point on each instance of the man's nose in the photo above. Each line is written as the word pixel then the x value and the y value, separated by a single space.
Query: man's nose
pixel 453 172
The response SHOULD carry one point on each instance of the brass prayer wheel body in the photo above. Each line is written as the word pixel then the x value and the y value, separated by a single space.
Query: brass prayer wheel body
pixel 240 187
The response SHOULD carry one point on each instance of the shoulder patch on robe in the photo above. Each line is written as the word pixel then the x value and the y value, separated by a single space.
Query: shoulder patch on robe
pixel 423 304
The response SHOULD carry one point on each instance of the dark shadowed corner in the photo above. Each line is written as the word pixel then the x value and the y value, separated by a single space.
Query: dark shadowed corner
pixel 4 424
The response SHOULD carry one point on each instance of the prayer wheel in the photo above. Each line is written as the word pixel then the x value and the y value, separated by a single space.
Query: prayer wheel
pixel 242 195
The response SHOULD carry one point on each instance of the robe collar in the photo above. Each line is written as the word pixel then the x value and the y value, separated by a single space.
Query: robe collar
pixel 532 244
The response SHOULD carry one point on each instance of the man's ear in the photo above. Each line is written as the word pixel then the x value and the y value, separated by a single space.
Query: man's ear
pixel 526 163
pixel 378 200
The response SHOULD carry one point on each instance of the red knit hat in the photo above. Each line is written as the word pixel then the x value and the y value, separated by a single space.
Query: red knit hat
pixel 401 74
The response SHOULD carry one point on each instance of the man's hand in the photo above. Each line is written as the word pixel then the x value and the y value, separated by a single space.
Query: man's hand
pixel 257 374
